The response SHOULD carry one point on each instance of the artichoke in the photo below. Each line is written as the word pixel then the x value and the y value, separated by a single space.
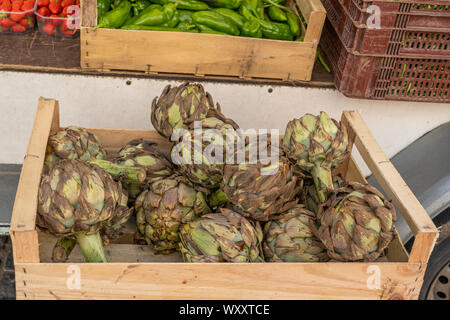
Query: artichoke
pixel 290 238
pixel 162 208
pixel 180 106
pixel 257 191
pixel 145 154
pixel 221 237
pixel 80 200
pixel 317 144
pixel 203 154
pixel 72 143
pixel 310 196
pixel 356 223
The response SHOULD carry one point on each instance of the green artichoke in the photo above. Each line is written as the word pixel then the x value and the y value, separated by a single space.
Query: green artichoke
pixel 317 144
pixel 162 208
pixel 180 106
pixel 72 143
pixel 203 155
pixel 310 196
pixel 290 238
pixel 217 199
pixel 261 191
pixel 356 223
pixel 144 154
pixel 80 200
pixel 221 237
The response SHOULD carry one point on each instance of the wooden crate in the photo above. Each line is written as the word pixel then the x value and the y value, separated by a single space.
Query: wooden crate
pixel 135 272
pixel 201 55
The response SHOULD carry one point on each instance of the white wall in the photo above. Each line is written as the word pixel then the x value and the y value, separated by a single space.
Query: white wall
pixel 111 103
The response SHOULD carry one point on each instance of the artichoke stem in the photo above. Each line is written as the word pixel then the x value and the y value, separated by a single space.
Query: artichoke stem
pixel 323 180
pixel 63 248
pixel 131 175
pixel 92 247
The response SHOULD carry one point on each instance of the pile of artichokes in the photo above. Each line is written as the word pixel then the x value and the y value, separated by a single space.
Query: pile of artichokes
pixel 206 202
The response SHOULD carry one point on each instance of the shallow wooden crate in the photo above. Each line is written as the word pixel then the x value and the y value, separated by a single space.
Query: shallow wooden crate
pixel 135 272
pixel 201 55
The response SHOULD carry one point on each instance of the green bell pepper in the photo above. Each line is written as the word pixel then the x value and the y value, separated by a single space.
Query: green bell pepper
pixel 230 4
pixel 216 21
pixel 276 14
pixel 154 16
pixel 276 30
pixel 116 17
pixel 256 7
pixel 172 23
pixel 103 7
pixel 232 15
pixel 186 26
pixel 206 29
pixel 294 23
pixel 151 28
pixel 193 5
pixel 251 29
pixel 186 16
pixel 139 6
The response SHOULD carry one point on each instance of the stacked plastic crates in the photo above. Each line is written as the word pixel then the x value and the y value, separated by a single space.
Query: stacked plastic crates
pixel 383 49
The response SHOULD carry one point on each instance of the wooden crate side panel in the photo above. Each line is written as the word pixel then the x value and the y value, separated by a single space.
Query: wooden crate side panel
pixel 25 203
pixel 395 187
pixel 197 54
pixel 25 246
pixel 201 281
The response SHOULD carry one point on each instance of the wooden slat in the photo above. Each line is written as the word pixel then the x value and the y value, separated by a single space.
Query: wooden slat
pixel 25 204
pixel 88 13
pixel 114 252
pixel 157 51
pixel 216 281
pixel 315 24
pixel 395 187
pixel 25 246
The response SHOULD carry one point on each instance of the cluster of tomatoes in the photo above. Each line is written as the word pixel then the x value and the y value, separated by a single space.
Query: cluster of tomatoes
pixel 53 16
pixel 16 15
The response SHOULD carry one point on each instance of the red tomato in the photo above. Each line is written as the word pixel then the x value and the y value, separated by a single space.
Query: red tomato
pixel 66 3
pixel 56 22
pixel 67 31
pixel 54 7
pixel 43 3
pixel 18 28
pixel 49 28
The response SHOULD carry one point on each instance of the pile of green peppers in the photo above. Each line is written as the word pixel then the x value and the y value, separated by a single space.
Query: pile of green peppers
pixel 248 18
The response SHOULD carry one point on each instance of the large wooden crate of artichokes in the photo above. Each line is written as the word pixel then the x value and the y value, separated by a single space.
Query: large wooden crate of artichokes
pixel 135 272
pixel 201 55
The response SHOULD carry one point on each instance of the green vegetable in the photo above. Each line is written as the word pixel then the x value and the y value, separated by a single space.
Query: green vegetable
pixel 194 5
pixel 246 13
pixel 131 20
pixel 103 7
pixel 294 23
pixel 116 17
pixel 256 7
pixel 155 16
pixel 206 29
pixel 139 6
pixel 172 23
pixel 252 29
pixel 151 28
pixel 276 14
pixel 216 21
pixel 275 30
pixel 185 16
pixel 230 4
pixel 232 15
pixel 186 26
